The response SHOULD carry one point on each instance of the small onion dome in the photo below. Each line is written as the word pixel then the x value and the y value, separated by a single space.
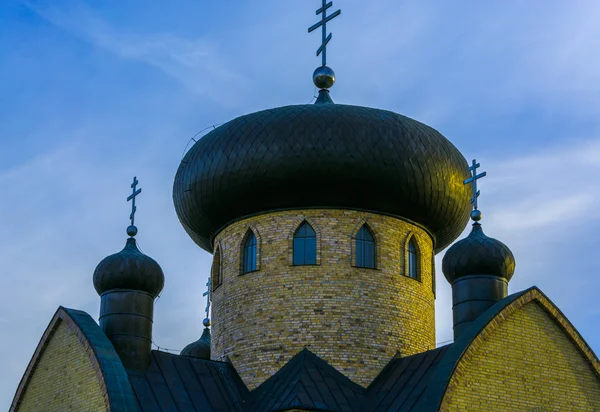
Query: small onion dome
pixel 478 254
pixel 323 156
pixel 129 269
pixel 199 349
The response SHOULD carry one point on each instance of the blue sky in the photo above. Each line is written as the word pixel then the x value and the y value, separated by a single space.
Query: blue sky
pixel 94 93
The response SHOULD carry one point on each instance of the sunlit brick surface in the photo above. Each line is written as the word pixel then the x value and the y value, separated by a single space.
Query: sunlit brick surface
pixel 65 379
pixel 354 318
pixel 527 363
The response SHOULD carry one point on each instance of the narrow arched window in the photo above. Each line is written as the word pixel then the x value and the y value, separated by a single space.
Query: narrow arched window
pixel 305 245
pixel 413 260
pixel 433 275
pixel 365 248
pixel 249 256
pixel 216 272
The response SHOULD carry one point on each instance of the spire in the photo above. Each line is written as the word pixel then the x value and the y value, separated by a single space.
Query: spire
pixel 206 321
pixel 201 348
pixel 324 76
pixel 132 230
pixel 128 282
pixel 478 267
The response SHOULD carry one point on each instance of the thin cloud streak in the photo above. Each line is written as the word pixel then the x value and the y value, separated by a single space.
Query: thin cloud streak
pixel 195 63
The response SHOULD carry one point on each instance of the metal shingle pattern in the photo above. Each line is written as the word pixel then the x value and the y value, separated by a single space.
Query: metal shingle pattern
pixel 478 254
pixel 326 155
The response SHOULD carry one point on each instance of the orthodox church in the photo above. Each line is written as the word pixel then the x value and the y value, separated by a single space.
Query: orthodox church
pixel 323 221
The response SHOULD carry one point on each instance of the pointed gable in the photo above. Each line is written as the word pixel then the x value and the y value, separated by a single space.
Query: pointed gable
pixel 522 353
pixel 74 367
pixel 308 382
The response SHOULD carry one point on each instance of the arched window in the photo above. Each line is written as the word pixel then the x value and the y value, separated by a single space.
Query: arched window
pixel 249 257
pixel 413 260
pixel 305 245
pixel 365 248
pixel 217 272
pixel 433 275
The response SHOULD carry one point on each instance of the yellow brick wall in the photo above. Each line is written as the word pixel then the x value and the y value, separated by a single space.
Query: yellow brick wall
pixel 354 318
pixel 64 379
pixel 528 363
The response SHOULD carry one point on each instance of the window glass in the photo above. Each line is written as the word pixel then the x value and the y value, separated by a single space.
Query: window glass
pixel 413 260
pixel 305 245
pixel 365 248
pixel 249 259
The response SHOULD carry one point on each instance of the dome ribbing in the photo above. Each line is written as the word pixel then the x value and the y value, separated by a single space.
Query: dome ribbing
pixel 129 269
pixel 322 156
pixel 478 254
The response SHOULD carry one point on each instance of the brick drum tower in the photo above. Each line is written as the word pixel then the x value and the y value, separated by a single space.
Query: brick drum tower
pixel 323 220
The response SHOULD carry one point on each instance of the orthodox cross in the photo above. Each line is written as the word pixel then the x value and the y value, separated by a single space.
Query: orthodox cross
pixel 323 23
pixel 207 294
pixel 473 179
pixel 132 198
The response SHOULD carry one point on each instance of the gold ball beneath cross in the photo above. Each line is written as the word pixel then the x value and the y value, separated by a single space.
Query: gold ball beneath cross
pixel 324 77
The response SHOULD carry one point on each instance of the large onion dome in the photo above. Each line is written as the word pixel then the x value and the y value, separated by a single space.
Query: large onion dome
pixel 129 269
pixel 478 254
pixel 322 156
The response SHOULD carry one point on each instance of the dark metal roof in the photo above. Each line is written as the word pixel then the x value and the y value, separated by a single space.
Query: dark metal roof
pixel 400 385
pixel 478 254
pixel 129 269
pixel 322 155
pixel 308 382
pixel 179 383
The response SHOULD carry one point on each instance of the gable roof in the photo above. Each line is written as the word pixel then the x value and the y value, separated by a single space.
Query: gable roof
pixel 110 371
pixel 308 382
pixel 476 332
pixel 181 383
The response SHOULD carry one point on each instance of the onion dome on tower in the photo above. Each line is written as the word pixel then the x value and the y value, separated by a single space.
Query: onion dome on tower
pixel 201 348
pixel 129 269
pixel 322 155
pixel 478 254
pixel 478 268
pixel 128 282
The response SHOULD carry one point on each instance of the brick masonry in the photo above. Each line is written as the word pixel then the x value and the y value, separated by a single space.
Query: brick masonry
pixel 526 363
pixel 356 319
pixel 64 378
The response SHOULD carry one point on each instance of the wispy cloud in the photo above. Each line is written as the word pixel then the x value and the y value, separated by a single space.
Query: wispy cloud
pixel 196 63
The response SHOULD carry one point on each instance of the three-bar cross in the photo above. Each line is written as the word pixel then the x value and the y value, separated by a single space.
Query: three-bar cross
pixel 132 198
pixel 207 294
pixel 473 179
pixel 323 23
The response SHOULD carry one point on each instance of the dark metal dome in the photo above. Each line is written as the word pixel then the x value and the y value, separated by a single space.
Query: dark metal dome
pixel 129 269
pixel 478 254
pixel 199 349
pixel 322 156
